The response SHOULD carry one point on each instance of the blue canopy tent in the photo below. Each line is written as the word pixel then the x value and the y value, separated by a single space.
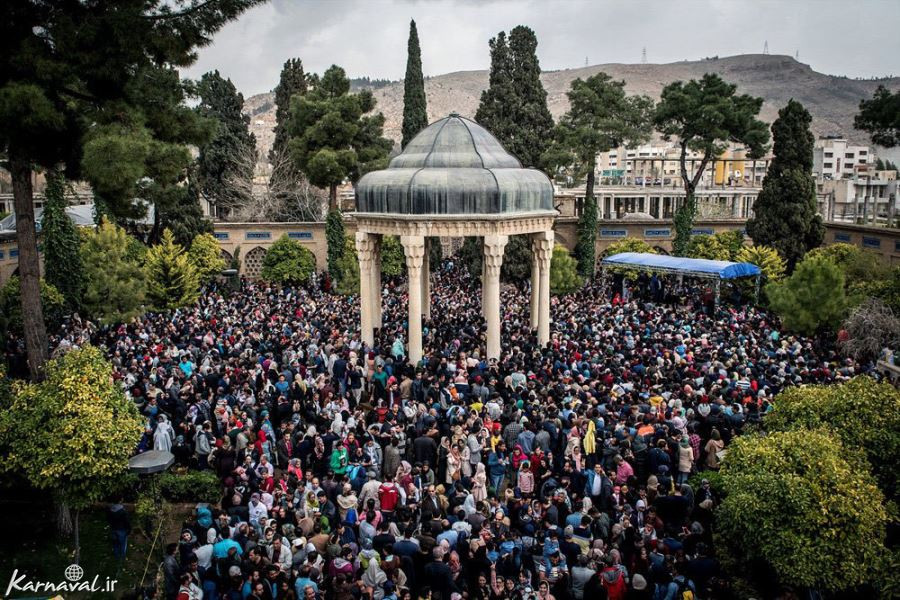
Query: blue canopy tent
pixel 679 265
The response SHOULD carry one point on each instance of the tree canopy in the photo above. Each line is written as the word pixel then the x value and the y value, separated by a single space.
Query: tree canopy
pixel 514 106
pixel 564 277
pixel 333 136
pixel 705 116
pixel 785 215
pixel 815 514
pixel 415 112
pixel 93 86
pixel 222 158
pixel 115 286
pixel 812 298
pixel 880 117
pixel 287 262
pixel 601 116
pixel 172 279
pixel 862 413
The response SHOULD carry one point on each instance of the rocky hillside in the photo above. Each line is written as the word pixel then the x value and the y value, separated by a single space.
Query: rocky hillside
pixel 832 100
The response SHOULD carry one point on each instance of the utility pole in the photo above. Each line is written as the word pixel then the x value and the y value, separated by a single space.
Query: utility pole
pixel 644 56
pixel 766 47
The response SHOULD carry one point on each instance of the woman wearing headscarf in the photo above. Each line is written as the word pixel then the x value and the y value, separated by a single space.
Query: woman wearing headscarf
pixel 479 485
pixel 373 578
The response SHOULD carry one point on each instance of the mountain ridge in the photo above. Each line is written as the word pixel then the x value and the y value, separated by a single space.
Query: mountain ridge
pixel 832 100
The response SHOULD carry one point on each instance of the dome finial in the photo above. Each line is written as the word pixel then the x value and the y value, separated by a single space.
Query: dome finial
pixel 454 114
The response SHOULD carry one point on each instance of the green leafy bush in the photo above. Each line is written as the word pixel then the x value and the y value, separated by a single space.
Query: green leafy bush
pixel 804 503
pixel 52 302
pixel 709 247
pixel 862 413
pixel 287 262
pixel 191 486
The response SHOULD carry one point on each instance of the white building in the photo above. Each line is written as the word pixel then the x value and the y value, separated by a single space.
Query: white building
pixel 869 197
pixel 835 158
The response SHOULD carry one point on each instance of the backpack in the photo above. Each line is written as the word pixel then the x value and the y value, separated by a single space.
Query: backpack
pixel 684 589
pixel 613 582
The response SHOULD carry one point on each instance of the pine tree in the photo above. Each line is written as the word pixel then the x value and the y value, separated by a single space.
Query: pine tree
pixel 223 160
pixel 564 277
pixel 600 117
pixel 333 136
pixel 62 259
pixel 114 287
pixel 785 212
pixel 172 281
pixel 514 106
pixel 705 116
pixel 415 113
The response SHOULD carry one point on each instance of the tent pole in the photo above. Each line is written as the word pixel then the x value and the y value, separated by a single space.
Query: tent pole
pixel 717 287
pixel 756 291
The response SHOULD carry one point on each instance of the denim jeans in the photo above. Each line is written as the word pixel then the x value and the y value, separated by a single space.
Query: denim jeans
pixel 120 543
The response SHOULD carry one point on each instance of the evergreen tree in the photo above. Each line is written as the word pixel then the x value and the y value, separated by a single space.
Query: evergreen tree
pixel 705 116
pixel 564 277
pixel 80 73
pixel 600 117
pixel 435 254
pixel 172 280
pixel 514 107
pixel 415 113
pixel 812 298
pixel 785 213
pixel 517 259
pixel 286 182
pixel 114 287
pixel 348 283
pixel 334 236
pixel 292 81
pixel 880 117
pixel 333 137
pixel 393 259
pixel 206 256
pixel 62 259
pixel 229 155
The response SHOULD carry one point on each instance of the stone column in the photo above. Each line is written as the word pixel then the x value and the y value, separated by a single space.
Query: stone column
pixel 535 284
pixel 483 283
pixel 426 280
pixel 414 249
pixel 365 251
pixel 493 260
pixel 376 282
pixel 543 249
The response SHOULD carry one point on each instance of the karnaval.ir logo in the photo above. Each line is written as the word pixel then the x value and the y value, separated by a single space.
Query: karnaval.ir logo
pixel 74 582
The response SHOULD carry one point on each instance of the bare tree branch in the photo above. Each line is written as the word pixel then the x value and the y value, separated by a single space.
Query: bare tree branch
pixel 870 328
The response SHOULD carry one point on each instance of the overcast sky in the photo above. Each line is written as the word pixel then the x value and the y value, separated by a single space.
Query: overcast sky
pixel 368 37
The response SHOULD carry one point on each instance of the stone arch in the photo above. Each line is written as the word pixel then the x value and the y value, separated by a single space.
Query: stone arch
pixel 253 262
pixel 226 256
pixel 661 250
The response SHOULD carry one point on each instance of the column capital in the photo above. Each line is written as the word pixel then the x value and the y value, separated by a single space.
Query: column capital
pixel 414 250
pixel 493 253
pixel 366 245
pixel 542 245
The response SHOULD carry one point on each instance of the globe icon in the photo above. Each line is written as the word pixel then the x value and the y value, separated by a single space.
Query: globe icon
pixel 74 572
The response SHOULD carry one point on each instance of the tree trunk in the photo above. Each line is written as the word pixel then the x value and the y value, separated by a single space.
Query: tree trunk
pixel 77 538
pixel 589 187
pixel 29 267
pixel 63 519
pixel 332 197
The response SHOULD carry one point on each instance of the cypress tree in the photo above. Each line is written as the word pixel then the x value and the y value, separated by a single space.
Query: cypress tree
pixel 514 107
pixel 415 114
pixel 292 81
pixel 334 236
pixel 785 213
pixel 62 244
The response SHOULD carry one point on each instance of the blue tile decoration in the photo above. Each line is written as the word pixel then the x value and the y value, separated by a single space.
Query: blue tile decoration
pixel 259 235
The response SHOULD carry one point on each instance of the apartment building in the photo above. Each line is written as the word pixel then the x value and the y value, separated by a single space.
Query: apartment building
pixel 867 197
pixel 835 158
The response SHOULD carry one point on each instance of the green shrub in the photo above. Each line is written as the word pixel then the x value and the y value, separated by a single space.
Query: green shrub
pixel 715 481
pixel 192 486
pixel 287 262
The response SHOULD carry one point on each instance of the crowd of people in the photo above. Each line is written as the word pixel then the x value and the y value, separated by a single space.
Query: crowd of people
pixel 572 470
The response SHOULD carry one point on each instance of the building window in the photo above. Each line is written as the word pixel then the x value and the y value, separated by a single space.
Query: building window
pixel 828 165
pixel 829 154
pixel 848 155
pixel 863 152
